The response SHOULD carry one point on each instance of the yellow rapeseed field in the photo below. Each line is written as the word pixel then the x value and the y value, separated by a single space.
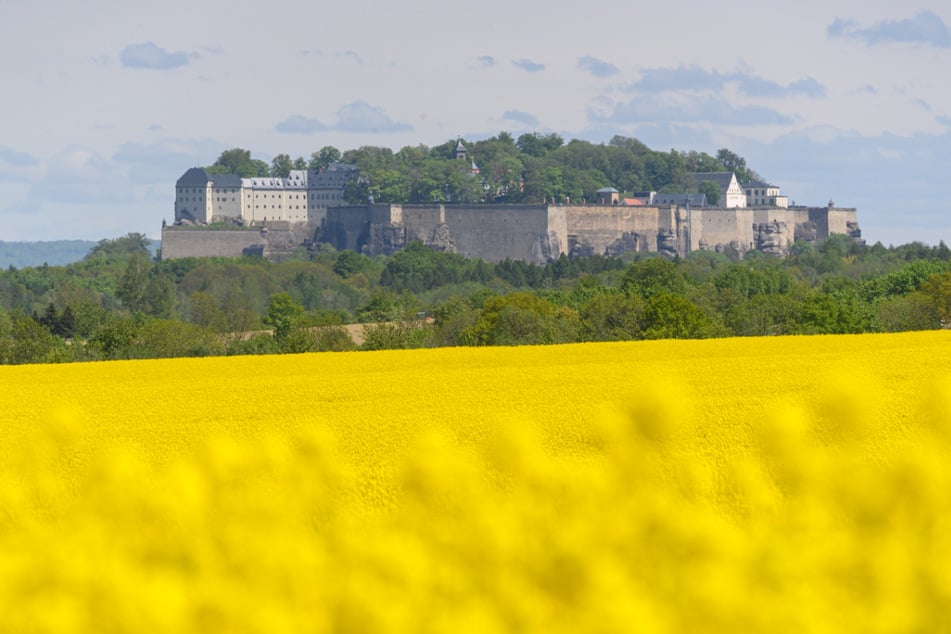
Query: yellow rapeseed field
pixel 794 484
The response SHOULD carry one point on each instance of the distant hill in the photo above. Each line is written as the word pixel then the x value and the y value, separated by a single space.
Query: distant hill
pixel 54 252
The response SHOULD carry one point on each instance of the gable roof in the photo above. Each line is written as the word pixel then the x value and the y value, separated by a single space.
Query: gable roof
pixel 225 180
pixel 721 179
pixel 194 177
pixel 694 200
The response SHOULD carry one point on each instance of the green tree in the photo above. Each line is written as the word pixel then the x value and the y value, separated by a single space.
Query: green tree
pixel 120 248
pixel 349 263
pixel 612 317
pixel 327 156
pixel 281 166
pixel 523 318
pixel 204 310
pixel 238 161
pixel 669 316
pixel 653 276
pixel 397 335
pixel 283 315
pixel 711 192
pixel 133 285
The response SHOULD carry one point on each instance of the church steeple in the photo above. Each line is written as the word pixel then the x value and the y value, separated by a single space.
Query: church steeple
pixel 460 152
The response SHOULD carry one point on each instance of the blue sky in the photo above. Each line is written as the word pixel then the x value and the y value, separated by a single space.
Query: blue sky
pixel 108 103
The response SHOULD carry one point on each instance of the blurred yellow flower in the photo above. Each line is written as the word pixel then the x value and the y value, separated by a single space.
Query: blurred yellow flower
pixel 757 485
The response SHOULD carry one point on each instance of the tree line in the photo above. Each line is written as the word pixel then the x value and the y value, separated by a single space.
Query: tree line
pixel 530 169
pixel 120 302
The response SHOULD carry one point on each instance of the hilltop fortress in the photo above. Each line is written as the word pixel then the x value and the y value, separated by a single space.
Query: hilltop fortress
pixel 225 215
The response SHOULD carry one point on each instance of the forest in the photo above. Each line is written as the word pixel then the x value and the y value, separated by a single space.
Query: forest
pixel 532 168
pixel 122 302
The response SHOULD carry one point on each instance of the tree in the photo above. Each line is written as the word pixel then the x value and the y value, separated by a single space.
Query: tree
pixel 327 156
pixel 238 161
pixel 523 318
pixel 536 145
pixel 735 163
pixel 668 316
pixel 281 166
pixel 612 317
pixel 119 248
pixel 203 310
pixel 133 284
pixel 937 293
pixel 711 191
pixel 283 314
pixel 349 263
pixel 653 276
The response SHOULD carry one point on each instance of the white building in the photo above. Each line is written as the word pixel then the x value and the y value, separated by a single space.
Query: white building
pixel 731 194
pixel 302 197
pixel 760 194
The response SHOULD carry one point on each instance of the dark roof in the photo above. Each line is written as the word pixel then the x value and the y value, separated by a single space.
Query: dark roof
pixel 694 200
pixel 225 180
pixel 756 184
pixel 722 179
pixel 195 177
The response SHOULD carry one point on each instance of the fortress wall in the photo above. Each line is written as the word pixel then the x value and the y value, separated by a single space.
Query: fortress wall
pixel 345 226
pixel 184 243
pixel 420 221
pixel 769 214
pixel 820 216
pixel 838 219
pixel 557 231
pixel 496 232
pixel 721 226
pixel 598 226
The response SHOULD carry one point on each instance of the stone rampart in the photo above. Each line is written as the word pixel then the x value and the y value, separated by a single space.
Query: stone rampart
pixel 534 233
pixel 203 242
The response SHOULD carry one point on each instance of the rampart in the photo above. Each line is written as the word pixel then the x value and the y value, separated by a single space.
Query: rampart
pixel 202 242
pixel 534 233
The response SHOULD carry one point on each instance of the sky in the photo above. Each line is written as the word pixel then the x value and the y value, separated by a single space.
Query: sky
pixel 106 104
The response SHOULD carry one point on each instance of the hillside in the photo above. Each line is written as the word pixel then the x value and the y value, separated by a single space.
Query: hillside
pixel 54 252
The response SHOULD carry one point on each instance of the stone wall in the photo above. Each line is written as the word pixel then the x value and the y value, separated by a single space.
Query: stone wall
pixel 614 229
pixel 202 242
pixel 534 233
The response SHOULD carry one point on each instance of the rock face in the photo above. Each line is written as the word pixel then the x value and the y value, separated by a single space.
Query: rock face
pixel 772 237
pixel 441 239
pixel 667 243
pixel 628 242
pixel 384 239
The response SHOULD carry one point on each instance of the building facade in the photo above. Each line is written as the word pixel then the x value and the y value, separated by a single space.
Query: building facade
pixel 302 197
pixel 761 194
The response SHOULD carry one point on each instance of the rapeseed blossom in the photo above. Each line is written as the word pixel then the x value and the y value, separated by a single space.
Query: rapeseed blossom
pixel 781 484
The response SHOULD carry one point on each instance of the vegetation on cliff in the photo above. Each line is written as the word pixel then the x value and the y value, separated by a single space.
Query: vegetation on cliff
pixel 532 168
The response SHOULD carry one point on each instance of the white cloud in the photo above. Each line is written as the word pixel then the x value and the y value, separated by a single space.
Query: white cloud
pixel 686 108
pixel 359 116
pixel 79 175
pixel 299 124
pixel 164 160
pixel 925 28
pixel 597 67
pixel 528 65
pixel 521 118
pixel 697 79
pixel 148 55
